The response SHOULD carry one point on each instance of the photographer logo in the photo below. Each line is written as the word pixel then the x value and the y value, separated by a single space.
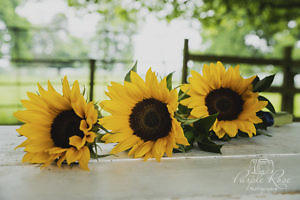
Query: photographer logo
pixel 262 176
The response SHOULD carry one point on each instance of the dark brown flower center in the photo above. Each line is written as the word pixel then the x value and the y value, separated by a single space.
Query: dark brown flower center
pixel 226 102
pixel 64 126
pixel 150 120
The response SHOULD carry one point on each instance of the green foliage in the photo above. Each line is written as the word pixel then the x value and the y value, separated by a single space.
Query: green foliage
pixel 116 26
pixel 270 106
pixel 269 16
pixel 133 68
pixel 169 80
pixel 225 24
pixel 263 84
pixel 207 145
pixel 197 130
pixel 15 27
pixel 203 125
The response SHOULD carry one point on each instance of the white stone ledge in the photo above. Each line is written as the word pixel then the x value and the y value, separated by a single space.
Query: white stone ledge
pixel 192 175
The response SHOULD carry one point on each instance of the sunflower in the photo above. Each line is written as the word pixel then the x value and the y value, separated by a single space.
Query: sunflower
pixel 142 117
pixel 57 127
pixel 226 93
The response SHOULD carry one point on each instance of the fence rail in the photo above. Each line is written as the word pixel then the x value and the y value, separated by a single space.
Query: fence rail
pixel 287 90
pixel 92 67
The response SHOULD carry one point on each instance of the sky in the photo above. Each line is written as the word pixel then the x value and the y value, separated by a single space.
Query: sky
pixel 157 44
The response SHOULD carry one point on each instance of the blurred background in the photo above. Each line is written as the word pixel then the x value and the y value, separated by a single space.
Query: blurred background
pixel 96 41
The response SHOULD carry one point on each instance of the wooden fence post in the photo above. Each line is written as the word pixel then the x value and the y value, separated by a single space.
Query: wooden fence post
pixel 92 77
pixel 185 61
pixel 287 103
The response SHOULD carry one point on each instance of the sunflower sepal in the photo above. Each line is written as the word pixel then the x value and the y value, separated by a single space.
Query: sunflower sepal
pixel 133 68
pixel 255 81
pixel 169 80
pixel 183 95
pixel 269 106
pixel 262 85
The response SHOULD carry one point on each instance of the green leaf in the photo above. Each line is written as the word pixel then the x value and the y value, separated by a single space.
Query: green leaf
pixel 255 81
pixel 133 68
pixel 208 145
pixel 260 132
pixel 183 95
pixel 186 121
pixel 270 106
pixel 169 80
pixel 243 134
pixel 204 124
pixel 184 110
pixel 189 136
pixel 182 149
pixel 263 84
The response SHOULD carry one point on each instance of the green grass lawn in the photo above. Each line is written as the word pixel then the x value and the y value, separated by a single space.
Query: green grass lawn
pixel 12 94
pixel 15 85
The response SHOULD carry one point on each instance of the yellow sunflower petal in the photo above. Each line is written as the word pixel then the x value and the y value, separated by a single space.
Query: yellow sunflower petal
pixel 73 155
pixel 135 147
pixel 38 100
pixel 230 128
pixel 84 159
pixel 116 137
pixel 56 150
pixel 90 137
pixel 35 146
pixel 79 105
pixel 66 88
pixel 199 112
pixel 61 159
pixel 147 156
pixel 123 100
pixel 39 157
pixel 33 131
pixel 169 147
pixel 91 114
pixel 115 123
pixel 126 144
pixel 83 126
pixel 159 148
pixel 77 141
pixel 143 149
pixel 29 116
pixel 136 79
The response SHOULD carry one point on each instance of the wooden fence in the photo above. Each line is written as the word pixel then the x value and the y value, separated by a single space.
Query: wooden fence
pixel 92 67
pixel 287 90
pixel 59 64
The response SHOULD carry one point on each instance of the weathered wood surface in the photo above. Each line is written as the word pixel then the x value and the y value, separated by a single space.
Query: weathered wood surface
pixel 194 175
